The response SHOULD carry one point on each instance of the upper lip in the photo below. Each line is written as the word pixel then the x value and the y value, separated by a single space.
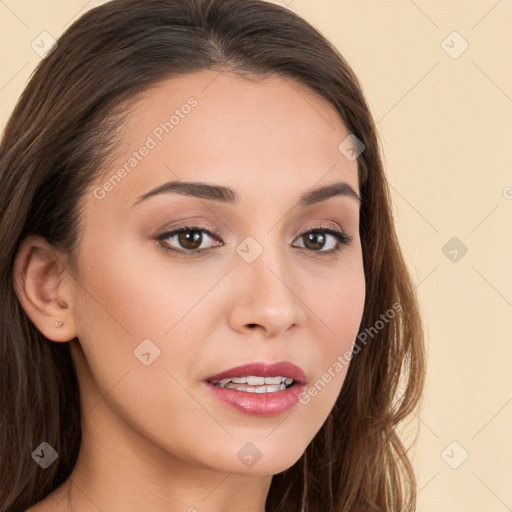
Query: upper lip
pixel 261 369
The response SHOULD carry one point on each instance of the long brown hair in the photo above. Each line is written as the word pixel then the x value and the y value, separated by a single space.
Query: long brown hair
pixel 62 133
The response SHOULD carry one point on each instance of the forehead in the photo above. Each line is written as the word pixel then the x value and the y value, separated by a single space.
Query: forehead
pixel 263 136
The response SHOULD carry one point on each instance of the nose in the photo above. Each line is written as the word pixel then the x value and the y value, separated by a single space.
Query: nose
pixel 266 297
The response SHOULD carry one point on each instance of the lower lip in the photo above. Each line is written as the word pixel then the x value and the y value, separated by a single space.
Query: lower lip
pixel 258 404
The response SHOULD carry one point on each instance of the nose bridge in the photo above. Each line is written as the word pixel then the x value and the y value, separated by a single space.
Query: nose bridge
pixel 266 294
pixel 269 273
pixel 266 260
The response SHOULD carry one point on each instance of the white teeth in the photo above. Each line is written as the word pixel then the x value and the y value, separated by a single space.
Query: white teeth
pixel 255 381
pixel 261 389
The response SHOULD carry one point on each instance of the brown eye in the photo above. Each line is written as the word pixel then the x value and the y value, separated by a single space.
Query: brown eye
pixel 187 239
pixel 316 239
pixel 190 239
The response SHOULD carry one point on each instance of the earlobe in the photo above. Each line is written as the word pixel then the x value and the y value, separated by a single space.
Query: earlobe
pixel 43 289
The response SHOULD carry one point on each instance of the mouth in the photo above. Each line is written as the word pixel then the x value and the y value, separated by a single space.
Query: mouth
pixel 259 389
pixel 260 377
pixel 256 384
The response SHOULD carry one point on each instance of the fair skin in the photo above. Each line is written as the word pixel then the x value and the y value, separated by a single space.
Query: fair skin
pixel 153 438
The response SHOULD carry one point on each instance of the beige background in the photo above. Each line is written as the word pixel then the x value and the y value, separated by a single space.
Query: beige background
pixel 446 126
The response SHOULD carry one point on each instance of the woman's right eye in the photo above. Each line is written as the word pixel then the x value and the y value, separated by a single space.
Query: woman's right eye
pixel 190 238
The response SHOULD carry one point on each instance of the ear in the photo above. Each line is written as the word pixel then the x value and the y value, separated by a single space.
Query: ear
pixel 44 289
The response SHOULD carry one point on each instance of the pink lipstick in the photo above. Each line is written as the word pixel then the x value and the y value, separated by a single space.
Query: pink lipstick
pixel 259 388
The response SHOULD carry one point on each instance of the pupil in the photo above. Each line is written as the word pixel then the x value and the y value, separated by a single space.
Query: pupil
pixel 312 237
pixel 190 241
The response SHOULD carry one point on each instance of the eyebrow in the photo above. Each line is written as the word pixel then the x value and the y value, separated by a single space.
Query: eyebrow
pixel 227 195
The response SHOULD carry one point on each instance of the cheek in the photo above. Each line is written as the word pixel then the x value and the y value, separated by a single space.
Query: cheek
pixel 337 313
pixel 133 292
pixel 120 305
pixel 130 295
pixel 343 307
pixel 123 303
pixel 338 301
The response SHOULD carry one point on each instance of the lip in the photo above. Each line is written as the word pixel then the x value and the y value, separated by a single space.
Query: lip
pixel 262 369
pixel 260 404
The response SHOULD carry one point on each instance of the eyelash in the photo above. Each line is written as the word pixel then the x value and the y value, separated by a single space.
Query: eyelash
pixel 342 238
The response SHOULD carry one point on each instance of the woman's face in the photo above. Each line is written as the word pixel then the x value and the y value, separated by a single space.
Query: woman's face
pixel 155 324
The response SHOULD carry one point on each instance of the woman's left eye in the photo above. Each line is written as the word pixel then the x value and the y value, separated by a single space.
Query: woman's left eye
pixel 317 236
pixel 191 239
